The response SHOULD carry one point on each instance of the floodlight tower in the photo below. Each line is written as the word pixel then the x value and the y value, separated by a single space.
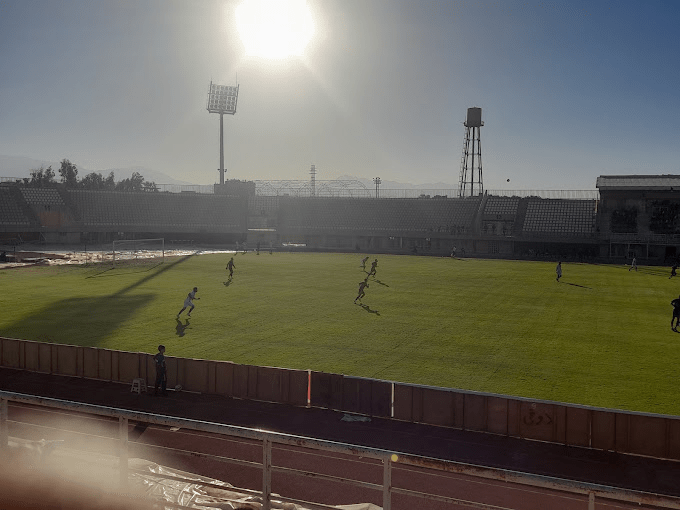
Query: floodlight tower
pixel 471 148
pixel 222 99
pixel 377 183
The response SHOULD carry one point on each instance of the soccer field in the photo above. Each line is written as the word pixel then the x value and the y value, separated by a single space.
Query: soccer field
pixel 599 337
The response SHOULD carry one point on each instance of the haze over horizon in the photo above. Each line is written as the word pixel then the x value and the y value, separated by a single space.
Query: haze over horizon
pixel 568 90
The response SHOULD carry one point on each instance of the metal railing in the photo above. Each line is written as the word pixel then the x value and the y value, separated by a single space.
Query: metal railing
pixel 268 438
pixel 567 194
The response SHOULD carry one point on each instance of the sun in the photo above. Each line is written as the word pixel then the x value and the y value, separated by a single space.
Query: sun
pixel 274 29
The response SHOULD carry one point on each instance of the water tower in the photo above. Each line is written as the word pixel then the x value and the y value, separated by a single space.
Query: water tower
pixel 471 170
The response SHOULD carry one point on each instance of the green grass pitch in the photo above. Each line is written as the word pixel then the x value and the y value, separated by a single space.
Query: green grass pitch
pixel 600 337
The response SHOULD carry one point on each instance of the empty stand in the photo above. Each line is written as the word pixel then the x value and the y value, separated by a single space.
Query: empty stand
pixel 501 206
pixel 41 196
pixel 560 216
pixel 387 215
pixel 11 212
pixel 157 211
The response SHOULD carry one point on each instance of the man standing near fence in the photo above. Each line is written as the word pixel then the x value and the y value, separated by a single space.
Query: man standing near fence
pixel 161 371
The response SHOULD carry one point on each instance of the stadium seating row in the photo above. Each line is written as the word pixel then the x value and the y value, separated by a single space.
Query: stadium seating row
pixel 560 216
pixel 505 206
pixel 161 211
pixel 156 210
pixel 377 215
pixel 10 210
pixel 41 196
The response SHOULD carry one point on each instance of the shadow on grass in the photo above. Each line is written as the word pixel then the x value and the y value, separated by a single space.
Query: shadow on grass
pixel 125 271
pixel 78 321
pixel 179 328
pixel 87 320
pixel 368 309
pixel 577 285
pixel 375 280
pixel 117 271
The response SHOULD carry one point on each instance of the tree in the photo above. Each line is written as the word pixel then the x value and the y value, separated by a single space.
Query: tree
pixel 149 186
pixel 95 181
pixel 41 178
pixel 69 174
pixel 133 183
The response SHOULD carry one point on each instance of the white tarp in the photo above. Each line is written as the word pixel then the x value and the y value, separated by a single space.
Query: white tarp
pixel 101 472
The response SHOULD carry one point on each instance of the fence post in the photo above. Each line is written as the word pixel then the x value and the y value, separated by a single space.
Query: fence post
pixel 387 484
pixel 4 434
pixel 266 473
pixel 591 501
pixel 123 452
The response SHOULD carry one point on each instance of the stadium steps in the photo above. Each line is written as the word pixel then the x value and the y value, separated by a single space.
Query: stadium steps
pixel 72 209
pixel 520 216
pixel 24 208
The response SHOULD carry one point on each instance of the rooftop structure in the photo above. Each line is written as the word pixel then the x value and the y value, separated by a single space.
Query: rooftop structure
pixel 665 182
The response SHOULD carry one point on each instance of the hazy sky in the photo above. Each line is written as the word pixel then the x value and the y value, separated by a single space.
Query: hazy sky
pixel 569 90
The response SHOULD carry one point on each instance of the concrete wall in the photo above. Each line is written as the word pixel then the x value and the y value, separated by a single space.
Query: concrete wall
pixel 203 376
pixel 604 429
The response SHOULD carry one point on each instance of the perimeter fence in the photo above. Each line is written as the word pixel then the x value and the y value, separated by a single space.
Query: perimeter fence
pixel 590 493
pixel 629 432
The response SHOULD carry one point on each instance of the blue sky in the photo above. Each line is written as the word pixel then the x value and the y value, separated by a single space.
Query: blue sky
pixel 569 90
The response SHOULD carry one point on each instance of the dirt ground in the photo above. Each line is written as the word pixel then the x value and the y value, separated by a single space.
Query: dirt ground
pixel 51 256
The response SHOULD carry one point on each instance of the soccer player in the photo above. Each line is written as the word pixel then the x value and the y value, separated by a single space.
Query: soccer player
pixel 676 314
pixel 633 265
pixel 673 271
pixel 188 302
pixel 230 267
pixel 363 262
pixel 558 270
pixel 362 286
pixel 161 371
pixel 374 266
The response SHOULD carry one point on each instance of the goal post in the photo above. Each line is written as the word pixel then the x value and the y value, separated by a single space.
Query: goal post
pixel 138 250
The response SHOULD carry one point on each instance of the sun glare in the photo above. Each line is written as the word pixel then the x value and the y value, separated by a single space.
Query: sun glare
pixel 274 29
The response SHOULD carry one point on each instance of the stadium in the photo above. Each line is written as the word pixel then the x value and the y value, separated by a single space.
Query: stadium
pixel 276 341
pixel 625 217
pixel 408 356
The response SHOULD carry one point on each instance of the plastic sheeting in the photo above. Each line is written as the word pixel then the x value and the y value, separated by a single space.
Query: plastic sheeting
pixel 147 480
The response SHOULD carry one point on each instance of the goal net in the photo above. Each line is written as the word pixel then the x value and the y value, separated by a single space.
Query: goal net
pixel 135 251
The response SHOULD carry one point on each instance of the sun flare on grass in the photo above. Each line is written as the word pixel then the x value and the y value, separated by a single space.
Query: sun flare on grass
pixel 274 29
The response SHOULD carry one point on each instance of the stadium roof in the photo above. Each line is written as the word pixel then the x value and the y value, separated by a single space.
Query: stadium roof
pixel 638 182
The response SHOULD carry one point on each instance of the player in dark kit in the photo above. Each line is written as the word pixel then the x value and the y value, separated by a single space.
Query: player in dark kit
pixel 676 314
pixel 362 286
pixel 230 267
pixel 363 263
pixel 673 271
pixel 374 266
